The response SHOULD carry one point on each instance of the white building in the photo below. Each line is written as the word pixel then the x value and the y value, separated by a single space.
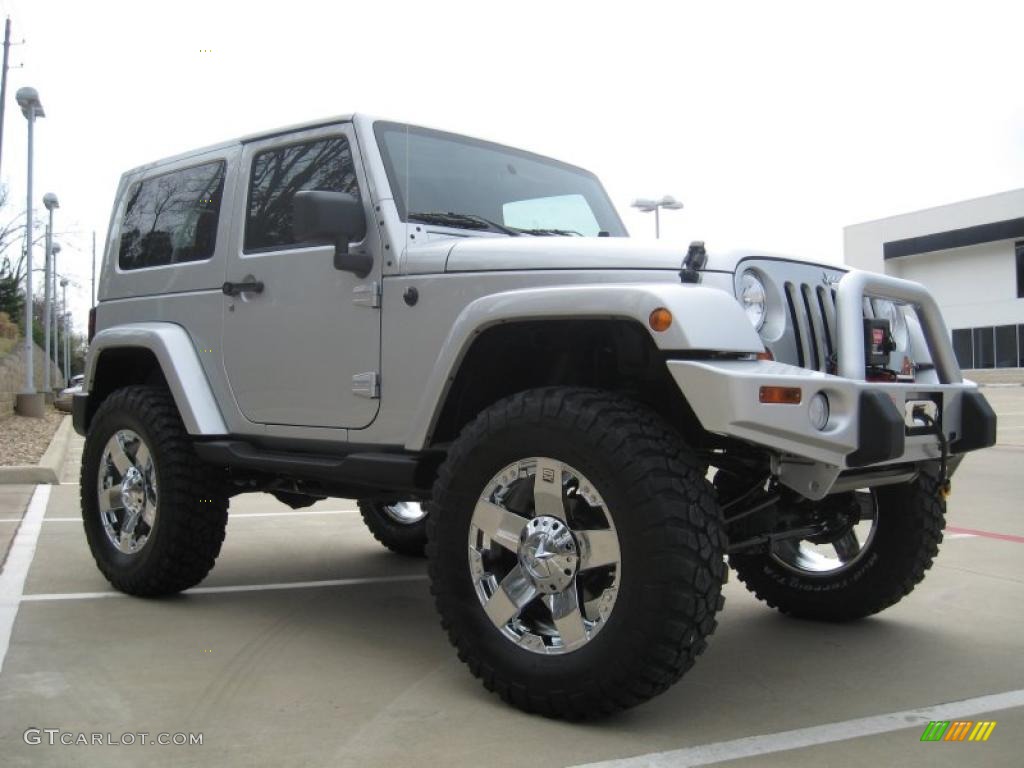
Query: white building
pixel 970 255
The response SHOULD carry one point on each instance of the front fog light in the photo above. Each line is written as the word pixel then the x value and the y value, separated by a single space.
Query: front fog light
pixel 817 411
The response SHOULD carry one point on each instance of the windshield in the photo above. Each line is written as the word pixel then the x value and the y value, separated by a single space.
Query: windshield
pixel 436 176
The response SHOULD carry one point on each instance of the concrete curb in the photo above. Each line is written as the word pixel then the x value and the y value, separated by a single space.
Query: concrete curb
pixel 47 471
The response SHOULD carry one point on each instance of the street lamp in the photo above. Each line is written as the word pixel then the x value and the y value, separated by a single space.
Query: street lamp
pixel 668 202
pixel 51 202
pixel 54 350
pixel 30 402
pixel 67 318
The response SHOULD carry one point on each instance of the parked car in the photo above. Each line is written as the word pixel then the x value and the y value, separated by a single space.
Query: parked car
pixel 62 401
pixel 461 336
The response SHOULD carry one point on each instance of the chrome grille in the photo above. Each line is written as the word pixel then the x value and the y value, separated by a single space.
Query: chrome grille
pixel 812 314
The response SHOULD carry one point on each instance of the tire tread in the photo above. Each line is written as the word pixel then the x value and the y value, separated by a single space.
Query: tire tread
pixel 685 532
pixel 193 504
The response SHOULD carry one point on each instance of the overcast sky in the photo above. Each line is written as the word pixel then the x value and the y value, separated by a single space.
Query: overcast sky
pixel 776 123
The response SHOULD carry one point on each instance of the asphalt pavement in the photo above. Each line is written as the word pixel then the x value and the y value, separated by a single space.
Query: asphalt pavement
pixel 309 644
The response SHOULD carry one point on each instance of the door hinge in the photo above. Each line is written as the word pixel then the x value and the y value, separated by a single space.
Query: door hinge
pixel 367 295
pixel 366 385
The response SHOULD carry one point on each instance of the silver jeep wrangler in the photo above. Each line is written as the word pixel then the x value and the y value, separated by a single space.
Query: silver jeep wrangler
pixel 459 335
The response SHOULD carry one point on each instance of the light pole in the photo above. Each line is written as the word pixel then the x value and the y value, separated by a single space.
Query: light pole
pixel 668 202
pixel 30 402
pixel 67 348
pixel 65 317
pixel 51 202
pixel 53 351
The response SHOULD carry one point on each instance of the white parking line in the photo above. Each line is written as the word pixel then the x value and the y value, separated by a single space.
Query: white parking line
pixel 951 536
pixel 19 558
pixel 49 597
pixel 770 743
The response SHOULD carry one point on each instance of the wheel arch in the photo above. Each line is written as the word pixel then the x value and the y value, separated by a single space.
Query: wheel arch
pixel 616 355
pixel 155 354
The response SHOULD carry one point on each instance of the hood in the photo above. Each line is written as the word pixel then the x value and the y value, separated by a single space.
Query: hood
pixel 501 253
pixel 479 254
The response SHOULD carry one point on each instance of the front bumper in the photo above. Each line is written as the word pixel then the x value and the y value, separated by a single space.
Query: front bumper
pixel 867 423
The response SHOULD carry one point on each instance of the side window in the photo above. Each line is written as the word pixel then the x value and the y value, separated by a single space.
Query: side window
pixel 277 174
pixel 172 218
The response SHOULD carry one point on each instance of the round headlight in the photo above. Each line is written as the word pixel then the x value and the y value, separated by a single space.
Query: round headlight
pixel 754 299
pixel 892 312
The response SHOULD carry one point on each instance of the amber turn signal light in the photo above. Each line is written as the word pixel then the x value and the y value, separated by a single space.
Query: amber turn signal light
pixel 780 395
pixel 660 319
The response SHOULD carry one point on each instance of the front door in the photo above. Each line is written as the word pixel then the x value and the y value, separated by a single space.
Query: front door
pixel 301 351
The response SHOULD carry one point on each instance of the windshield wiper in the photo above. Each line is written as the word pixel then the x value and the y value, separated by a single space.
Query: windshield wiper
pixel 463 220
pixel 549 232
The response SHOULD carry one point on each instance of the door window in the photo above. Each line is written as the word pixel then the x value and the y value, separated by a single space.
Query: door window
pixel 172 218
pixel 277 174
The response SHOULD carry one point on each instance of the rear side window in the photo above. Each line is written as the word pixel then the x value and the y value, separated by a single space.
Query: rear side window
pixel 172 218
pixel 277 174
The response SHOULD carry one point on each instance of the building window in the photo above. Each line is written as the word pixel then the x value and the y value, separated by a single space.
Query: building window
pixel 1006 346
pixel 963 347
pixel 984 347
pixel 1019 248
pixel 279 173
pixel 172 218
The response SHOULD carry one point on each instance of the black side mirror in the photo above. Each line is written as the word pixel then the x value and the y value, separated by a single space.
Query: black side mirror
pixel 337 216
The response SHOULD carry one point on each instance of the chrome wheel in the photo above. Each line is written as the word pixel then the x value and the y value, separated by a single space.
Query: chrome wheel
pixel 544 556
pixel 833 553
pixel 126 491
pixel 405 512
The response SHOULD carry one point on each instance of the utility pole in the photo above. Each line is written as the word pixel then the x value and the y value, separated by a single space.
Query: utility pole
pixel 93 302
pixel 3 83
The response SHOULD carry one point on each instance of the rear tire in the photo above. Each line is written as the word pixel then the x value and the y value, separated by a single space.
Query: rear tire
pixel 905 541
pixel 400 526
pixel 159 527
pixel 637 614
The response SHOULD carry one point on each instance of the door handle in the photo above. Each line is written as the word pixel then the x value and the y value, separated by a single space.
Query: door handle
pixel 233 289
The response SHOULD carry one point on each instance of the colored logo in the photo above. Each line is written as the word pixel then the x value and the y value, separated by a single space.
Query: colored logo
pixel 958 730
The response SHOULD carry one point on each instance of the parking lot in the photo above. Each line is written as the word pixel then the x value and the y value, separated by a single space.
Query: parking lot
pixel 311 644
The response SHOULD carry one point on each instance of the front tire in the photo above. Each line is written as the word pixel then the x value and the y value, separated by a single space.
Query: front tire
pixel 595 557
pixel 154 515
pixel 870 573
